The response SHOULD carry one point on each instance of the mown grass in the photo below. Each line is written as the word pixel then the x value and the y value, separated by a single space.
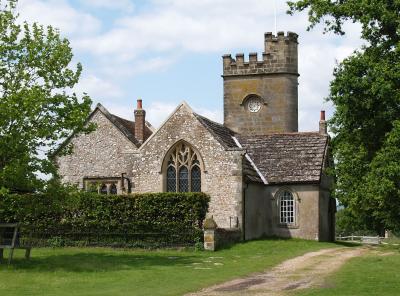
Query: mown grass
pixel 102 271
pixel 375 273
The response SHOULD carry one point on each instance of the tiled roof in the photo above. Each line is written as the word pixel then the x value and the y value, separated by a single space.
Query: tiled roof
pixel 127 127
pixel 287 157
pixel 222 134
pixel 250 173
pixel 225 136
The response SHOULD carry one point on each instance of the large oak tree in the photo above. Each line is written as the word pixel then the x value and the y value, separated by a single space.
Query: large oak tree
pixel 37 106
pixel 366 94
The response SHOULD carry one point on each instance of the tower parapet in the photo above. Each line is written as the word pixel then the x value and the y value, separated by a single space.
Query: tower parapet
pixel 279 56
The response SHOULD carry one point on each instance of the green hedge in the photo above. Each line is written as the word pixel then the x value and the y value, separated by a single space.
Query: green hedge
pixel 84 212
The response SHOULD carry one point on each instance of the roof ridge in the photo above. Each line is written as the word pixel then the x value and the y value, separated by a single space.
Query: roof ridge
pixel 284 134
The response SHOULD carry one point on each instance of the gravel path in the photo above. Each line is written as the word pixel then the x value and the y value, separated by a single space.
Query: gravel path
pixel 298 273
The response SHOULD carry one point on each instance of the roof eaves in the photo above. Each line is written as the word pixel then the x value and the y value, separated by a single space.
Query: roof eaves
pixel 262 177
pixel 215 135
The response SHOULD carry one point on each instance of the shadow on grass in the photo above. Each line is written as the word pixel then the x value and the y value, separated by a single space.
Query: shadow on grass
pixel 98 262
pixel 228 246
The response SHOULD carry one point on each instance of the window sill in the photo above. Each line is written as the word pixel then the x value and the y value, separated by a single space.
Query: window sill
pixel 289 226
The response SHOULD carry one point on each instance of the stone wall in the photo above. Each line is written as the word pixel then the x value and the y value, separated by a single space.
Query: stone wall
pixel 221 173
pixel 262 212
pixel 105 152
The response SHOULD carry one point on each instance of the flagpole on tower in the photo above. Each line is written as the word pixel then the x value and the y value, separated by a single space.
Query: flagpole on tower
pixel 275 16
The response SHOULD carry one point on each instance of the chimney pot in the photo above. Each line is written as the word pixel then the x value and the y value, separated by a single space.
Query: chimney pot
pixel 323 127
pixel 322 115
pixel 140 122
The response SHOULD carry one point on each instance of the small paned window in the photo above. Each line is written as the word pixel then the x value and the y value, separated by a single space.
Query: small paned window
pixel 103 189
pixel 113 189
pixel 183 171
pixel 287 208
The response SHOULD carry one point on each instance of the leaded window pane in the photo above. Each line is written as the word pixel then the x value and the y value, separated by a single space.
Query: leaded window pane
pixel 196 179
pixel 183 179
pixel 113 189
pixel 171 179
pixel 103 189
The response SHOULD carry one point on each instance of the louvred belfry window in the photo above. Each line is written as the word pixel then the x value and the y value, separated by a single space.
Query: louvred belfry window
pixel 183 171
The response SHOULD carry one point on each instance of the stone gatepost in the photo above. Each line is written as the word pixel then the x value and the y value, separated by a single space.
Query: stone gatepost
pixel 210 233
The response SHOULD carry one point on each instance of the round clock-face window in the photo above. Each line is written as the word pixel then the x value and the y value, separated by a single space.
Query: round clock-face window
pixel 254 105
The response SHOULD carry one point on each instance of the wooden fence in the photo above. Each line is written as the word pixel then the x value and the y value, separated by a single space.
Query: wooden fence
pixel 371 240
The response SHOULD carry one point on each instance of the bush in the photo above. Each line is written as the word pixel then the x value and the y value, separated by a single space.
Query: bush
pixel 110 219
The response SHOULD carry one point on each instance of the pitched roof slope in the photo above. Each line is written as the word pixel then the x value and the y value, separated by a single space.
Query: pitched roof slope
pixel 287 157
pixel 222 134
pixel 127 127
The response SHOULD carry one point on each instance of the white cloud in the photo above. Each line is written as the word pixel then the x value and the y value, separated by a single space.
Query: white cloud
pixel 155 38
pixel 123 5
pixel 215 115
pixel 59 14
pixel 200 26
pixel 158 111
pixel 98 88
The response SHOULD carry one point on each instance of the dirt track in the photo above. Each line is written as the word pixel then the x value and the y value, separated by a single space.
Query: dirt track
pixel 298 273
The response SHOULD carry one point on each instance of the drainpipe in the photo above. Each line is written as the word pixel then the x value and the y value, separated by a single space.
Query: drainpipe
pixel 129 182
pixel 244 211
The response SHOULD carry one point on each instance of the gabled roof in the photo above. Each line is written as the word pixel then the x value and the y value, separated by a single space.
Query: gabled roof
pixel 221 133
pixel 126 127
pixel 287 157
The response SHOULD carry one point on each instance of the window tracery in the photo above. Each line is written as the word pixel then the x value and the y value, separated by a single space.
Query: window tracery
pixel 183 172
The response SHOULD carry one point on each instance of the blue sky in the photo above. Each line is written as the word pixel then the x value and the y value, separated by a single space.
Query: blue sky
pixel 167 51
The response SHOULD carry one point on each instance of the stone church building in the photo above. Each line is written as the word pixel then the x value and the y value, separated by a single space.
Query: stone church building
pixel 264 177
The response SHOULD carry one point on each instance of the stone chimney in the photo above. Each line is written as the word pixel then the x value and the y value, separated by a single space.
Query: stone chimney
pixel 323 127
pixel 140 122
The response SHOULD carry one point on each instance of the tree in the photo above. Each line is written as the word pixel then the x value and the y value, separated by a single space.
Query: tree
pixel 37 110
pixel 366 94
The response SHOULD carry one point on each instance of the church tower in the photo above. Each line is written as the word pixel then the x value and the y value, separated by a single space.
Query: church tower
pixel 260 96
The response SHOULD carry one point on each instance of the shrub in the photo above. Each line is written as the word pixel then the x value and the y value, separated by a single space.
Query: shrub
pixel 109 219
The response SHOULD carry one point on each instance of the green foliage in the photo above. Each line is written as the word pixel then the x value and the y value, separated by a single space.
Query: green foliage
pixel 37 110
pixel 348 224
pixel 366 94
pixel 71 212
pixel 374 273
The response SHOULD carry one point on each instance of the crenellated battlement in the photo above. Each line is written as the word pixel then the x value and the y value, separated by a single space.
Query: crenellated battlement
pixel 279 56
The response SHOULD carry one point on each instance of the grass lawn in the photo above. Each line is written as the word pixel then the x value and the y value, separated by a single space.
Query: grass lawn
pixel 376 273
pixel 102 271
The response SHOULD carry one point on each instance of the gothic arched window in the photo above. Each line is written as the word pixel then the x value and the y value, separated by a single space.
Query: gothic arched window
pixel 183 171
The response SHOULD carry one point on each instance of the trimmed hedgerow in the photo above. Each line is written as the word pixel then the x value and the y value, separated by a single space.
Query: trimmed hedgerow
pixel 170 214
